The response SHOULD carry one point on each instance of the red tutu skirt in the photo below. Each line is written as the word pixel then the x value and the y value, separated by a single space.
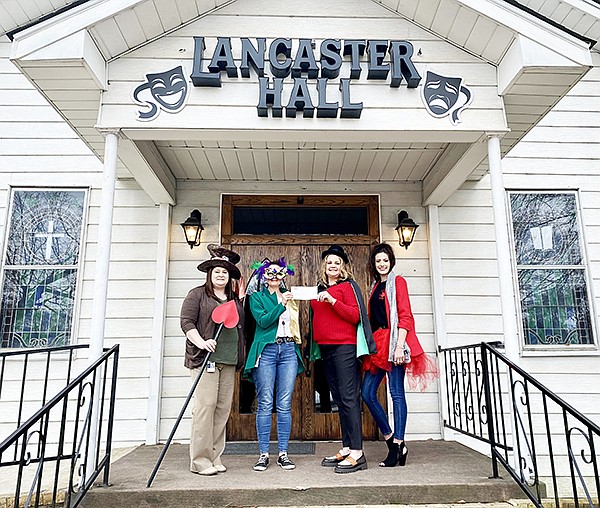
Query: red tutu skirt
pixel 379 360
pixel 420 371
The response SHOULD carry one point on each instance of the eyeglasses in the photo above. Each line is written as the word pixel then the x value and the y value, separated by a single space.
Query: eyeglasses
pixel 273 273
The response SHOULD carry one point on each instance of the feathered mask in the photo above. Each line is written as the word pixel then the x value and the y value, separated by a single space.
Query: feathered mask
pixel 270 270
pixel 257 279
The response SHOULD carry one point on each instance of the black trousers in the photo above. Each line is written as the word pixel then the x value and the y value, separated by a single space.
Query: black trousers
pixel 342 370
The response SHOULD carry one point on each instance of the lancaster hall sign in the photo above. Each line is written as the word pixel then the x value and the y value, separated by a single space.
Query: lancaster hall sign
pixel 279 69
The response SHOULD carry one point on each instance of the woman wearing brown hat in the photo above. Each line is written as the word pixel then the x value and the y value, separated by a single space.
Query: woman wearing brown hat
pixel 340 328
pixel 214 393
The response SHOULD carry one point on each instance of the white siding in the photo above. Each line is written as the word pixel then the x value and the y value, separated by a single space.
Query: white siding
pixel 558 154
pixel 561 153
pixel 469 267
pixel 130 305
pixel 38 149
pixel 33 136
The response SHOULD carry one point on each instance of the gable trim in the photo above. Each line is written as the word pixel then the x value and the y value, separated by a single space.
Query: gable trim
pixel 551 22
pixel 45 17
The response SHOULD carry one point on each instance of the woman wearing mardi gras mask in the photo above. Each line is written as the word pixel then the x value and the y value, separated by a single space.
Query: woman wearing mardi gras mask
pixel 340 327
pixel 399 352
pixel 214 393
pixel 274 359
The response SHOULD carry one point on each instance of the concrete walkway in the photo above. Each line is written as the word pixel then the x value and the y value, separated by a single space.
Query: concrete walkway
pixel 437 472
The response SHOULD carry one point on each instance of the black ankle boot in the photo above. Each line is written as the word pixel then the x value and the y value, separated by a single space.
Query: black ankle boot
pixel 393 453
pixel 402 454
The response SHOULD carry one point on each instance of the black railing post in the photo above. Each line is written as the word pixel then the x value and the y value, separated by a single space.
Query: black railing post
pixel 526 458
pixel 111 417
pixel 489 408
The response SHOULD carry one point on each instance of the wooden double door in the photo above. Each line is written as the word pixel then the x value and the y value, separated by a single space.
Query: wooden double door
pixel 314 414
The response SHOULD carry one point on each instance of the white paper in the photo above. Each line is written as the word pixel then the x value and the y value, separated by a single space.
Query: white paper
pixel 304 292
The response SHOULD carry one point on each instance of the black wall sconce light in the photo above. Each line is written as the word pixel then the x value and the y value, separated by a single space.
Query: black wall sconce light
pixel 406 229
pixel 192 228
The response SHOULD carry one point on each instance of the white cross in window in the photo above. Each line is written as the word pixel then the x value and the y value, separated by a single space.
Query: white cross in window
pixel 50 235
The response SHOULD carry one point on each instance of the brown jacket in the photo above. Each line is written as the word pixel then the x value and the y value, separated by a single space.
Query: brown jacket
pixel 196 313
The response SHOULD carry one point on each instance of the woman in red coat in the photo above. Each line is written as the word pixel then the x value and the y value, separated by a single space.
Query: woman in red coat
pixel 399 352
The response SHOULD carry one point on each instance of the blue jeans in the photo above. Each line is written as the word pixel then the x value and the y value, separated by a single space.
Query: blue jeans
pixel 370 385
pixel 276 371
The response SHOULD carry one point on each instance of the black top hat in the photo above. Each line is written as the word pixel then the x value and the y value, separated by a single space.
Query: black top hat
pixel 225 258
pixel 336 250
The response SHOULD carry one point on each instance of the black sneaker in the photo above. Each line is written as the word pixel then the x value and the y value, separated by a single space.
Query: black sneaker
pixel 285 462
pixel 262 463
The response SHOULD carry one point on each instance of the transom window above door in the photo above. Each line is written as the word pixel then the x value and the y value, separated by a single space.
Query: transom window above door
pixel 300 220
pixel 320 218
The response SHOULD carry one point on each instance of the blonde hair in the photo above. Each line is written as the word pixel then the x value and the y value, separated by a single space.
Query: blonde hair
pixel 345 270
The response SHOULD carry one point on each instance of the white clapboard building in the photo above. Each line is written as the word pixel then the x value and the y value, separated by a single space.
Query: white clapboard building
pixel 290 126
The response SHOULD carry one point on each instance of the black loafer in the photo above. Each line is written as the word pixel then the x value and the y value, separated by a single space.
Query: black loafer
pixel 333 461
pixel 355 465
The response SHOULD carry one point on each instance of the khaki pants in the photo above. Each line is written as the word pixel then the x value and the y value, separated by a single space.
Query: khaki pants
pixel 212 405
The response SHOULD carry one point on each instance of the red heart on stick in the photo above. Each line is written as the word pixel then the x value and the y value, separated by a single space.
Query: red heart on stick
pixel 226 314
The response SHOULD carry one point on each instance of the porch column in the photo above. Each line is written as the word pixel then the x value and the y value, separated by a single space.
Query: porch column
pixel 111 142
pixel 439 312
pixel 158 328
pixel 437 288
pixel 505 274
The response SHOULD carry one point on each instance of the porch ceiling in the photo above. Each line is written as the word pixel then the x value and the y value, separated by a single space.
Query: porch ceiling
pixel 70 70
pixel 293 161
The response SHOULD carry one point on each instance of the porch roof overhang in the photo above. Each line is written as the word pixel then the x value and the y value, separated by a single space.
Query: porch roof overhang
pixel 66 57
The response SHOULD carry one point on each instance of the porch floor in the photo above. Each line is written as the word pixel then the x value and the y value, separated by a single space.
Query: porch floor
pixel 437 472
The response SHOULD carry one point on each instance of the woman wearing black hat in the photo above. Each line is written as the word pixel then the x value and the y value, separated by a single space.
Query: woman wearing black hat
pixel 340 328
pixel 214 392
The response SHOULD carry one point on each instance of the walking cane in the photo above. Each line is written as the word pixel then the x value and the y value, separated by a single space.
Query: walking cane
pixel 224 315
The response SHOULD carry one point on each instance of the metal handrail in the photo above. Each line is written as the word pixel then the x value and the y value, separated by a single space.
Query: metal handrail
pixel 39 350
pixel 46 358
pixel 533 433
pixel 70 407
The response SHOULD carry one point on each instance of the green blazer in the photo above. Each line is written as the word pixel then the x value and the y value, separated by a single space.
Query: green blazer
pixel 266 311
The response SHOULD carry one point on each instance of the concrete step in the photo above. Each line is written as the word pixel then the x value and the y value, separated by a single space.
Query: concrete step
pixel 437 472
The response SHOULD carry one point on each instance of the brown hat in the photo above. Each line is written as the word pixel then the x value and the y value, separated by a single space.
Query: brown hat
pixel 336 250
pixel 225 258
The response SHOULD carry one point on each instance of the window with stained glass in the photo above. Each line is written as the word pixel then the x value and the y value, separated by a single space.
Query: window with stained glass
pixel 40 267
pixel 555 307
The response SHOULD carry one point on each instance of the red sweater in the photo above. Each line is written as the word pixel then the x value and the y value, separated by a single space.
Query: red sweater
pixel 336 324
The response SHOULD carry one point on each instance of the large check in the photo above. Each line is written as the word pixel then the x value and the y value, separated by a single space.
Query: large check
pixel 304 292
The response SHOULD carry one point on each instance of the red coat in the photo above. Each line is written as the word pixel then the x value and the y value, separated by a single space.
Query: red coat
pixel 406 319
pixel 421 370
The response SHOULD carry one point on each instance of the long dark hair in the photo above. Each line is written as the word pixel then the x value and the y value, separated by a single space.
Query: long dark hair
pixel 378 249
pixel 229 291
